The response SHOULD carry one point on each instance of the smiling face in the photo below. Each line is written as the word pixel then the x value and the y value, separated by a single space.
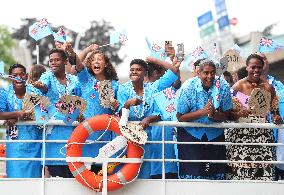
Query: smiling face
pixel 254 68
pixel 56 63
pixel 137 73
pixel 20 73
pixel 207 75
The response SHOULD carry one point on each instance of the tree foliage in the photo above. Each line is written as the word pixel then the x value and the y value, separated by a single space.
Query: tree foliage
pixel 97 33
pixel 6 44
pixel 45 44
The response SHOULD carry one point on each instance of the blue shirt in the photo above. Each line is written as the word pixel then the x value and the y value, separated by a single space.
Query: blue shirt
pixel 21 169
pixel 126 92
pixel 55 91
pixel 89 89
pixel 137 113
pixel 90 92
pixel 193 97
pixel 164 106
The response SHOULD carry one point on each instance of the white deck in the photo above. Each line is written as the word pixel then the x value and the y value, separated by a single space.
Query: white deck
pixel 60 186
pixel 56 186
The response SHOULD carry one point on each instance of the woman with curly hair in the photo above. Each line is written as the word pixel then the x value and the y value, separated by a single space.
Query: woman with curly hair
pixel 98 83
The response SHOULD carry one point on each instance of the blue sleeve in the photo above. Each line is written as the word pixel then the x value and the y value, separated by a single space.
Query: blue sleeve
pixel 115 88
pixel 3 100
pixel 184 101
pixel 226 100
pixel 122 96
pixel 45 79
pixel 165 81
pixel 83 75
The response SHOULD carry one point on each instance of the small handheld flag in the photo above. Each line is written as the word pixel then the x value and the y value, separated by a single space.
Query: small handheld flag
pixel 60 36
pixel 2 65
pixel 41 114
pixel 118 37
pixel 40 29
pixel 156 50
pixel 267 45
pixel 71 116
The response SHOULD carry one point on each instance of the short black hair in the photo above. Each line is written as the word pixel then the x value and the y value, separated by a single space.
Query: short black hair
pixel 206 62
pixel 140 62
pixel 152 67
pixel 256 56
pixel 242 73
pixel 17 66
pixel 60 51
pixel 197 62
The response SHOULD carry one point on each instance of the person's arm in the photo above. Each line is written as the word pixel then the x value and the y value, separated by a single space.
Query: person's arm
pixel 226 104
pixel 150 119
pixel 68 48
pixel 82 55
pixel 166 65
pixel 208 110
pixel 41 86
pixel 19 115
pixel 274 105
pixel 43 83
pixel 5 115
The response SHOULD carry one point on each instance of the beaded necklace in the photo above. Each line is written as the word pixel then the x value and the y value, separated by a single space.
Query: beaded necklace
pixel 57 83
pixel 138 111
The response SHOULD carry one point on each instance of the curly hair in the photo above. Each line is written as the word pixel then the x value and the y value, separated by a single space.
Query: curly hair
pixel 109 71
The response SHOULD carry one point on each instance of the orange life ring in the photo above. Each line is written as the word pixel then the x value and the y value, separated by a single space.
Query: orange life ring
pixel 89 179
pixel 2 150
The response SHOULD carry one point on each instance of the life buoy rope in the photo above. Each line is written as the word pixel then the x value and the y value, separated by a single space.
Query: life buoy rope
pixel 126 174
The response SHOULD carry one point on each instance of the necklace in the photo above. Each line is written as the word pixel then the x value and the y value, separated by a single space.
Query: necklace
pixel 57 83
pixel 138 111
pixel 254 84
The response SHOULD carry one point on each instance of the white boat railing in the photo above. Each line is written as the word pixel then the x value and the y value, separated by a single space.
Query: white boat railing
pixel 105 161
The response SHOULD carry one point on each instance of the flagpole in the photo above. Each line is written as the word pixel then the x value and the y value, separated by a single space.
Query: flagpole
pixel 104 45
pixel 37 54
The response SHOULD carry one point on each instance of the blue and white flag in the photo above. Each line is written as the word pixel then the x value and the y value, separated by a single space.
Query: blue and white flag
pixel 41 114
pixel 40 29
pixel 267 45
pixel 60 36
pixel 118 37
pixel 215 94
pixel 156 50
pixel 189 59
pixel 2 65
pixel 237 48
pixel 199 53
pixel 72 115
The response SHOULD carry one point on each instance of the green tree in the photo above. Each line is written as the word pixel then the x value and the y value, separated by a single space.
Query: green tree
pixel 98 33
pixel 45 44
pixel 6 44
